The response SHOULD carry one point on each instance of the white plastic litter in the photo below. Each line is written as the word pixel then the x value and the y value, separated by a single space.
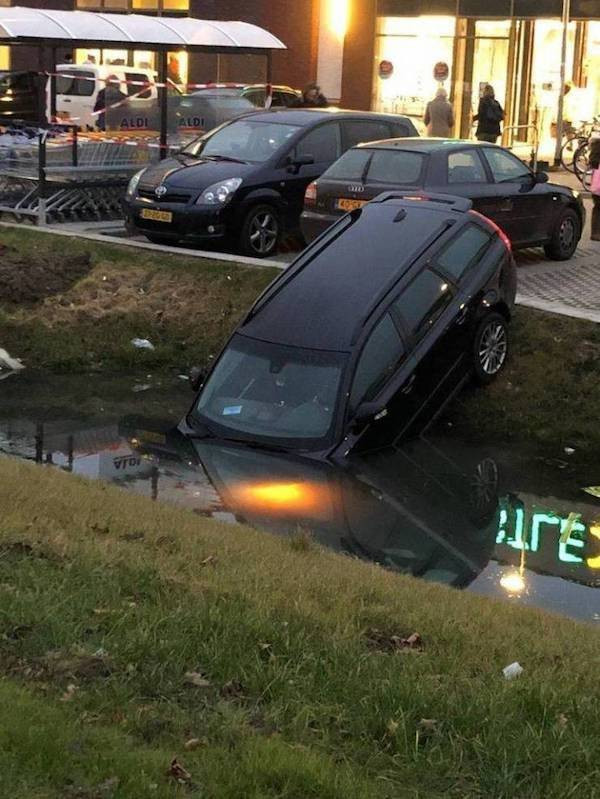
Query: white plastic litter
pixel 512 671
pixel 142 343
pixel 569 450
pixel 141 387
pixel 6 362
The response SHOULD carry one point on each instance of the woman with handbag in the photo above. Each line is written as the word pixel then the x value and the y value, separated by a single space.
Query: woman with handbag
pixel 595 165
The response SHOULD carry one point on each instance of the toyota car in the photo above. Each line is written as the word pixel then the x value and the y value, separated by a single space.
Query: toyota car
pixel 244 182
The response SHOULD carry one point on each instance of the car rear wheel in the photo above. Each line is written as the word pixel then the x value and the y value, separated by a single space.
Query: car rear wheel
pixel 260 232
pixel 565 236
pixel 490 348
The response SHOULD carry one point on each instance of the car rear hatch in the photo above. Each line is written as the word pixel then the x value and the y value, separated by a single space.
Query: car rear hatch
pixel 363 173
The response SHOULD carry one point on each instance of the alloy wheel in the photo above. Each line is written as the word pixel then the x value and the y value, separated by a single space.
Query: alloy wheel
pixel 484 485
pixel 263 232
pixel 493 347
pixel 566 234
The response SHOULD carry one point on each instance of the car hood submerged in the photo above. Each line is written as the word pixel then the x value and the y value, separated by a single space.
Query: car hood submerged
pixel 193 173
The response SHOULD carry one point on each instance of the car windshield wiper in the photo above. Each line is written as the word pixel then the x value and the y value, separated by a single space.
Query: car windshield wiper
pixel 223 158
pixel 254 444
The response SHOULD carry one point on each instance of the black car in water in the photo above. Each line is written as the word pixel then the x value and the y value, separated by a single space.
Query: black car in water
pixel 384 314
pixel 531 211
pixel 245 181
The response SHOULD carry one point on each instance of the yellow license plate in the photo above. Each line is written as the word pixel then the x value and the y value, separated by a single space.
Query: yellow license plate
pixel 349 205
pixel 156 216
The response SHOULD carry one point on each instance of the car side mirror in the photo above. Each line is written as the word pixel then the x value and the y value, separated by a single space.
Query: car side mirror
pixel 369 412
pixel 196 377
pixel 541 177
pixel 297 161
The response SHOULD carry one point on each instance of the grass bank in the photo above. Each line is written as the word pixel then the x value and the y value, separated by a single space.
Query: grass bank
pixel 83 318
pixel 132 634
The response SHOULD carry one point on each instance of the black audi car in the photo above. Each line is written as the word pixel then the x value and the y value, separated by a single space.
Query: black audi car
pixel 531 211
pixel 245 180
pixel 384 314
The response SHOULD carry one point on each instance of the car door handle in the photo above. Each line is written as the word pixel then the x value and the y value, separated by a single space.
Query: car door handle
pixel 506 205
pixel 407 388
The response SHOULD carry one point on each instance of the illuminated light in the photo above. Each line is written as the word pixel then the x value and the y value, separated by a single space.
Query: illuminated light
pixel 310 195
pixel 306 499
pixel 594 563
pixel 563 553
pixel 513 583
pixel 338 17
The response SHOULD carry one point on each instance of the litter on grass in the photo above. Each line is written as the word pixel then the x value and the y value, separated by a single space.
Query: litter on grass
pixel 593 491
pixel 142 343
pixel 7 362
pixel 512 671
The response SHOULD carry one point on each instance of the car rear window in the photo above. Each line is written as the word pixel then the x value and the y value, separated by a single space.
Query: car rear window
pixel 351 166
pixel 463 250
pixel 135 81
pixel 395 166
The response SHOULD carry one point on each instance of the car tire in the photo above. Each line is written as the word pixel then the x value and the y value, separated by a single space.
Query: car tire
pixel 490 348
pixel 482 501
pixel 260 232
pixel 565 236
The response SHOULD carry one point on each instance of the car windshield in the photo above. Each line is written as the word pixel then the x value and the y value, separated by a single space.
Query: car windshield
pixel 268 390
pixel 245 140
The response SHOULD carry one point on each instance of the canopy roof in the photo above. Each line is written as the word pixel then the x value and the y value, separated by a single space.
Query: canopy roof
pixel 85 28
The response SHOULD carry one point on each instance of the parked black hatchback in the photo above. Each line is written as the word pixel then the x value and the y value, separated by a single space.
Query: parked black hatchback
pixel 531 211
pixel 384 312
pixel 245 180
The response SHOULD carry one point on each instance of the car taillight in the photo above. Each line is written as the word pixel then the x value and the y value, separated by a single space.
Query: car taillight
pixel 310 196
pixel 501 234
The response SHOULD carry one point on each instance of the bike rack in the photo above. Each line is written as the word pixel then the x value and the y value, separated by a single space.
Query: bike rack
pixel 535 144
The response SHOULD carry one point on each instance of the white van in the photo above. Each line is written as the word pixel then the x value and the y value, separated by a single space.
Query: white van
pixel 76 98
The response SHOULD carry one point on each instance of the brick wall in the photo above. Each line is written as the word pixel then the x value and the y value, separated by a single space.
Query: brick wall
pixel 359 54
pixel 296 24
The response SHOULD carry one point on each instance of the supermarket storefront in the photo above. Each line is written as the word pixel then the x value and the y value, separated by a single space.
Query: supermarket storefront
pixel 518 53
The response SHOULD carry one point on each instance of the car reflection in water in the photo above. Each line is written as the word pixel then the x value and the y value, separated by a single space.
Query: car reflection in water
pixel 416 510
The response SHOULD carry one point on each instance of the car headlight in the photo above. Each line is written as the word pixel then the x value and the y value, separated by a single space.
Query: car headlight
pixel 219 193
pixel 133 184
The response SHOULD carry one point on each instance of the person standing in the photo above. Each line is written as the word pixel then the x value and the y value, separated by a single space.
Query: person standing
pixel 107 97
pixel 595 165
pixel 312 97
pixel 439 116
pixel 488 117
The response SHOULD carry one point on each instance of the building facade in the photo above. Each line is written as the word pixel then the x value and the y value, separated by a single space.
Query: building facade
pixel 392 55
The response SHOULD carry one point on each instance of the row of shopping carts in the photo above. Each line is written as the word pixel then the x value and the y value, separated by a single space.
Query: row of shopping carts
pixel 55 175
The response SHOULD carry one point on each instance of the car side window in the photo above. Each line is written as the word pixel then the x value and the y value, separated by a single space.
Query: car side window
pixel 423 301
pixel 364 130
pixel 462 251
pixel 506 167
pixel 323 143
pixel 465 167
pixel 135 78
pixel 377 363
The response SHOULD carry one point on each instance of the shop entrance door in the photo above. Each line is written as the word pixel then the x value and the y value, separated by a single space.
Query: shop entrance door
pixel 485 58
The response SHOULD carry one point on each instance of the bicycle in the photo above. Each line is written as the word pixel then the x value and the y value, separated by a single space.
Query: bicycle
pixel 575 142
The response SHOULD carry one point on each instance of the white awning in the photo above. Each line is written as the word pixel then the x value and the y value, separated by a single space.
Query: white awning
pixel 123 30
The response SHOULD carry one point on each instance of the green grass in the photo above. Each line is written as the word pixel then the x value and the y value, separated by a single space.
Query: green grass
pixel 186 307
pixel 120 598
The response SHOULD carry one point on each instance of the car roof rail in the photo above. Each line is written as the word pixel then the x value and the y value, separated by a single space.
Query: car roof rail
pixel 460 204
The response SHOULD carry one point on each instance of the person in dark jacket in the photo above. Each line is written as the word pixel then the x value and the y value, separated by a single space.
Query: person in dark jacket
pixel 312 97
pixel 595 164
pixel 488 117
pixel 107 97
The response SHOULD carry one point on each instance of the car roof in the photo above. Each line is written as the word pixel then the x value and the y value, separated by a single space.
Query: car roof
pixel 424 145
pixel 302 117
pixel 329 292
